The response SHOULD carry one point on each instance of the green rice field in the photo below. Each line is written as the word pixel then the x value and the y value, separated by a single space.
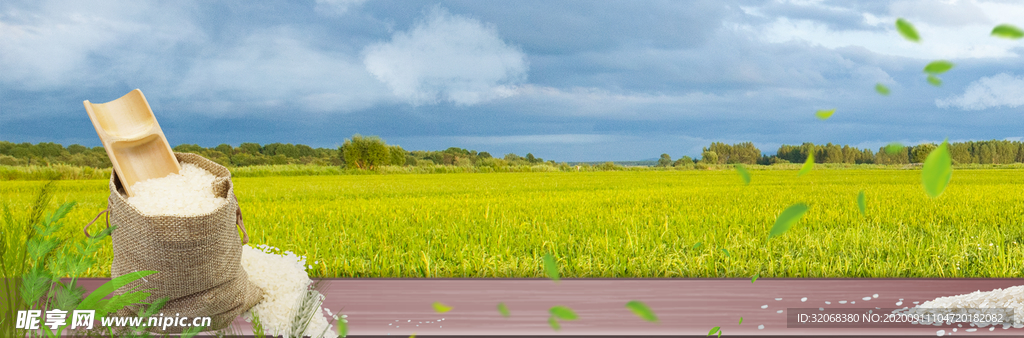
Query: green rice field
pixel 618 223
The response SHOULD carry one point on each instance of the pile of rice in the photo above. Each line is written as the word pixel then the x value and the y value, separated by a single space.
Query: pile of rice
pixel 189 193
pixel 284 282
pixel 1009 298
pixel 282 277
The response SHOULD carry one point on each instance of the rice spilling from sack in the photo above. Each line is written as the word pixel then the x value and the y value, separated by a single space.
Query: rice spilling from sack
pixel 978 302
pixel 189 193
pixel 285 283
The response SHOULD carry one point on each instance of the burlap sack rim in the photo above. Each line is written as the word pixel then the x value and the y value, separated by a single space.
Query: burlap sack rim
pixel 123 196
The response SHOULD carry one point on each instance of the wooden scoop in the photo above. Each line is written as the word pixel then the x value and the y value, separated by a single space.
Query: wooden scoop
pixel 133 139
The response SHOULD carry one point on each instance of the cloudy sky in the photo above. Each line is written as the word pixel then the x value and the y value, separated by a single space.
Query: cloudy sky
pixel 568 81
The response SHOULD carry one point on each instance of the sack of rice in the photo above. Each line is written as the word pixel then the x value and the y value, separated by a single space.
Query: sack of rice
pixel 184 227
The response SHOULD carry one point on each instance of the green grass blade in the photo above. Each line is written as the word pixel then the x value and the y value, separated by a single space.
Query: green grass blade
pixel 550 267
pixel 907 30
pixel 744 174
pixel 1007 32
pixel 862 203
pixel 882 89
pixel 787 219
pixel 642 311
pixel 563 312
pixel 90 302
pixel 938 67
pixel 441 308
pixel 503 310
pixel 808 165
pixel 825 114
pixel 937 170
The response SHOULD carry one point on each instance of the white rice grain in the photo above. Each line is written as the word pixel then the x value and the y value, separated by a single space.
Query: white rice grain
pixel 284 281
pixel 189 193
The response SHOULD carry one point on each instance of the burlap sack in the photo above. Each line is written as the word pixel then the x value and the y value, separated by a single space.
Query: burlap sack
pixel 198 257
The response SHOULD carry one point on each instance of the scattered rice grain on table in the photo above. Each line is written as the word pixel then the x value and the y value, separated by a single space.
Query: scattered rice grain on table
pixel 284 281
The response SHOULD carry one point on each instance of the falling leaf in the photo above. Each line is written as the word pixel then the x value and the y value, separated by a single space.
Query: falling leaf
pixel 726 252
pixel 907 30
pixel 938 67
pixel 825 114
pixel 641 310
pixel 741 321
pixel 441 308
pixel 754 279
pixel 695 246
pixel 503 309
pixel 893 148
pixel 1007 32
pixel 744 174
pixel 413 336
pixel 937 170
pixel 563 312
pixel 713 330
pixel 934 80
pixel 808 165
pixel 550 267
pixel 787 218
pixel 862 203
pixel 554 323
pixel 882 89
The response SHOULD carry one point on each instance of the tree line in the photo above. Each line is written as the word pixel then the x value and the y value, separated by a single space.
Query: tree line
pixel 369 152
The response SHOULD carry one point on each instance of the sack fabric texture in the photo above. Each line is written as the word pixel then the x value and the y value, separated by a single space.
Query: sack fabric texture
pixel 198 258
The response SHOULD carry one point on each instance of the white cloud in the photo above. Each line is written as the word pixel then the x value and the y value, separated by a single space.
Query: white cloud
pixel 336 7
pixel 1002 90
pixel 87 43
pixel 278 69
pixel 447 57
pixel 949 30
pixel 941 13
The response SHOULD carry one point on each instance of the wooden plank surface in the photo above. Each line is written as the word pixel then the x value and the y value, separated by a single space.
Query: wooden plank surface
pixel 685 307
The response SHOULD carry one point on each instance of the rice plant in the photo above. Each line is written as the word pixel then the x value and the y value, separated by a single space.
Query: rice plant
pixel 621 223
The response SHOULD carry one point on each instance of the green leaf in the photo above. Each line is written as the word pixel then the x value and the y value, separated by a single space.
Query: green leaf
pixel 744 174
pixel 825 114
pixel 158 304
pixel 808 165
pixel 192 331
pixel 90 302
pixel 787 219
pixel 907 30
pixel 938 67
pixel 554 323
pixel 754 279
pixel 550 267
pixel 862 203
pixel 893 148
pixel 882 89
pixel 118 302
pixel 726 252
pixel 441 308
pixel 934 80
pixel 563 312
pixel 741 321
pixel 503 310
pixel 714 330
pixel 641 310
pixel 696 245
pixel 937 170
pixel 1007 32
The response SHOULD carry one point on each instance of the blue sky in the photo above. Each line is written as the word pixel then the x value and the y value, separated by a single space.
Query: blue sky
pixel 568 81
